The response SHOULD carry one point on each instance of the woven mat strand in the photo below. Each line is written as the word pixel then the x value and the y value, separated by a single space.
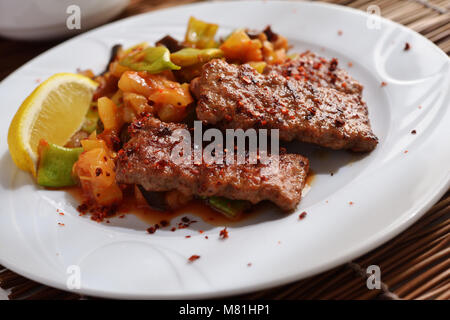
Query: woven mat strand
pixel 414 265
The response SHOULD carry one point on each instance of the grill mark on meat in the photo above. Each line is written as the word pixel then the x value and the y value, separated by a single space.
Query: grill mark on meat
pixel 145 160
pixel 319 71
pixel 300 110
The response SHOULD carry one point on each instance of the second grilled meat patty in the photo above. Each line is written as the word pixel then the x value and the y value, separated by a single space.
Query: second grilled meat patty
pixel 317 70
pixel 231 96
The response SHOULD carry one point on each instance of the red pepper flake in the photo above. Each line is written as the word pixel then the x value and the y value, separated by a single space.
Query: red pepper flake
pixel 339 32
pixel 263 122
pixel 98 171
pixel 228 117
pixel 164 223
pixel 200 231
pixel 344 85
pixel 193 258
pixel 61 213
pixel 249 264
pixel 173 229
pixel 122 216
pixel 383 84
pixel 185 219
pixel 405 152
pixel 61 224
pixel 206 237
pixel 151 230
pixel 413 132
pixel 223 233
pixel 246 79
pixel 302 215
pixel 187 236
pixel 407 46
pixel 350 64
pixel 351 203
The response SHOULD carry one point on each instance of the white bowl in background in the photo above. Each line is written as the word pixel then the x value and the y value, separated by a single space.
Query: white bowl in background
pixel 46 19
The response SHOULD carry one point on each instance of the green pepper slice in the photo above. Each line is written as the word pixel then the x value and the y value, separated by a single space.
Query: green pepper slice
pixel 91 119
pixel 55 165
pixel 189 56
pixel 151 59
pixel 200 34
pixel 230 208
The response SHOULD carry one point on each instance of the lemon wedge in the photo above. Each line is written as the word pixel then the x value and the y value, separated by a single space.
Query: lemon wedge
pixel 54 111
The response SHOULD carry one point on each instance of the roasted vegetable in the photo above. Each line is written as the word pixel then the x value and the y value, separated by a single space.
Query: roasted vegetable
pixel 231 208
pixel 107 86
pixel 55 165
pixel 137 102
pixel 169 99
pixel 151 59
pixel 170 43
pixel 200 34
pixel 154 199
pixel 109 114
pixel 171 113
pixel 293 56
pixel 272 55
pixel 190 56
pixel 93 143
pixel 115 51
pixel 258 65
pixel 95 169
pixel 75 140
pixel 186 74
pixel 238 47
pixel 90 123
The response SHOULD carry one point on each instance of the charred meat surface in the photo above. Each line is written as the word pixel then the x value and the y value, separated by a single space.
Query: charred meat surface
pixel 146 160
pixel 231 96
pixel 317 70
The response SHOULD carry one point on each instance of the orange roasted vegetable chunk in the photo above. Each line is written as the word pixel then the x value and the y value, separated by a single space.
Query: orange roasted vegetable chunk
pixel 108 113
pixel 239 47
pixel 169 99
pixel 95 169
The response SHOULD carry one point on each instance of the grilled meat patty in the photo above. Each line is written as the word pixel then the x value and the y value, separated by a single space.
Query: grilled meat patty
pixel 231 96
pixel 318 71
pixel 146 160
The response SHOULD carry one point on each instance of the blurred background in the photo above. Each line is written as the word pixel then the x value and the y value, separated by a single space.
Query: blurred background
pixel 29 27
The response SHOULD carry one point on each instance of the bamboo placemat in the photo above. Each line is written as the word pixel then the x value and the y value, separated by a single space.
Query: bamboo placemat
pixel 414 265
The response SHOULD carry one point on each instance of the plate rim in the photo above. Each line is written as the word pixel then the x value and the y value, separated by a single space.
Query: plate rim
pixel 403 222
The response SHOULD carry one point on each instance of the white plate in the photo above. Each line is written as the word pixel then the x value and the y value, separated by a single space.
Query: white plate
pixel 390 189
